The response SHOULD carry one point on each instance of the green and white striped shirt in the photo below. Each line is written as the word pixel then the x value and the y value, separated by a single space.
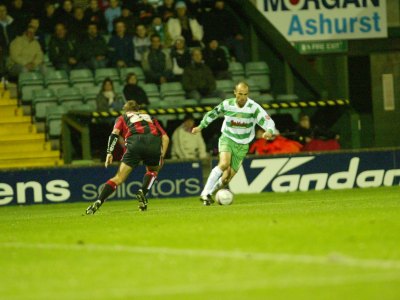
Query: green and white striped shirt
pixel 239 122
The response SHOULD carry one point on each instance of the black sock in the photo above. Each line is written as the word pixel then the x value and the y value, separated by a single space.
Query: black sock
pixel 148 179
pixel 108 189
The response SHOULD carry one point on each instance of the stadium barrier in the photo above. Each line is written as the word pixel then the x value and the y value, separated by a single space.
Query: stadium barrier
pixel 74 184
pixel 318 171
pixel 301 172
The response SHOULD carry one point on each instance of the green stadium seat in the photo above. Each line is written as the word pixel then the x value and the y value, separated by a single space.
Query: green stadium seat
pixel 237 71
pixel 90 93
pixel 42 99
pixel 151 90
pixel 68 97
pixel 262 81
pixel 210 101
pixel 264 98
pixel 83 85
pixel 56 77
pixel 54 126
pixel 254 89
pixel 81 75
pixel 191 102
pixel 256 68
pixel 30 78
pixel 174 101
pixel 102 73
pixel 287 97
pixel 27 92
pixel 225 85
pixel 169 89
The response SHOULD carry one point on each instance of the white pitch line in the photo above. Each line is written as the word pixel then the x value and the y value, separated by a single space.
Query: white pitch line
pixel 334 259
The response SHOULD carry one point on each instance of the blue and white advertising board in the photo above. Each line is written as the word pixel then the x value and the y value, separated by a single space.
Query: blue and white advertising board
pixel 318 172
pixel 73 184
pixel 318 20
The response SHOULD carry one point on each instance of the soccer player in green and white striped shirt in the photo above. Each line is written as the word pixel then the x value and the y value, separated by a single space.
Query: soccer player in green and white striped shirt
pixel 241 116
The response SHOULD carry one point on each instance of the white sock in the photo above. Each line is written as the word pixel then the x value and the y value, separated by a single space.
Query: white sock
pixel 217 186
pixel 215 174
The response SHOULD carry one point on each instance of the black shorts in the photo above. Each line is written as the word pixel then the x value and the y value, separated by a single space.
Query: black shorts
pixel 142 147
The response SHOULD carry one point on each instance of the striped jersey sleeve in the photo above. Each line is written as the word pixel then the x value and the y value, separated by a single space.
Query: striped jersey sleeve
pixel 239 122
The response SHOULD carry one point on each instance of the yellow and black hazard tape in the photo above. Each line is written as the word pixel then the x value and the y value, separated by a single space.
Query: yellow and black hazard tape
pixel 206 108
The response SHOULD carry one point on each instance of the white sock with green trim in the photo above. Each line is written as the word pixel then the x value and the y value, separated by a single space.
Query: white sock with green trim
pixel 215 174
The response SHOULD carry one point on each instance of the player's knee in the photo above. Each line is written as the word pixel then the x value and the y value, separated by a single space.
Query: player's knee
pixel 223 165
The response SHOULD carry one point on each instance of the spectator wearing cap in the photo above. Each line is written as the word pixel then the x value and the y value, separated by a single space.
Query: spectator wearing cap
pixel 186 145
pixel 183 25
pixel 180 56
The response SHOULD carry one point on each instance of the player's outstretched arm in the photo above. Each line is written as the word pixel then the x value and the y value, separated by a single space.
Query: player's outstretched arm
pixel 268 134
pixel 112 141
pixel 196 130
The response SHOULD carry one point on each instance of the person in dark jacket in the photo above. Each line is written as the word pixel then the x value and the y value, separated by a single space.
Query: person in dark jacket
pixel 93 49
pixel 65 14
pixel 7 33
pixel 132 91
pixel 156 63
pixel 120 47
pixel 93 14
pixel 221 24
pixel 215 58
pixel 198 79
pixel 62 50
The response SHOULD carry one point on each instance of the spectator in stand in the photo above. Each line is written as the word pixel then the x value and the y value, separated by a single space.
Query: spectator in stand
pixel 166 10
pixel 94 49
pixel 159 28
pixel 79 23
pixel 21 15
pixel 277 144
pixel 63 53
pixel 65 14
pixel 39 34
pixel 180 56
pixel 103 4
pixel 129 19
pixel 141 43
pixel 132 91
pixel 156 63
pixel 221 24
pixel 186 145
pixel 144 11
pixel 93 14
pixel 315 138
pixel 107 99
pixel 111 13
pixel 25 53
pixel 196 9
pixel 49 18
pixel 198 80
pixel 120 47
pixel 7 34
pixel 215 58
pixel 183 25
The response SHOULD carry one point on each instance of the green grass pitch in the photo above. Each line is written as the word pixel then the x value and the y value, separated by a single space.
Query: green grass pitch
pixel 311 245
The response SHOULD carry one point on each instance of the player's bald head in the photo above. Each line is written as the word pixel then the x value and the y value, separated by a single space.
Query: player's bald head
pixel 240 85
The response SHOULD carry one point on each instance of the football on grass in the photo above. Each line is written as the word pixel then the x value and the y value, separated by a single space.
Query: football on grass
pixel 224 197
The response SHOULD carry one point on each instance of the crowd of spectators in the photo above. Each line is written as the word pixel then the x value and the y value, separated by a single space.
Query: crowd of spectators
pixel 167 38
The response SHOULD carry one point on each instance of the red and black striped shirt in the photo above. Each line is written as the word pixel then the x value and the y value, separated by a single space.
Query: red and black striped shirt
pixel 132 123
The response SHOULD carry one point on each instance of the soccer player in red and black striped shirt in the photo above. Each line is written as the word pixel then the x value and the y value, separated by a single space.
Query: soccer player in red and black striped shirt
pixel 145 141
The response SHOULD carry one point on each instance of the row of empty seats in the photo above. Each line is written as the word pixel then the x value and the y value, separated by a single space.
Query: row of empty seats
pixel 255 72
